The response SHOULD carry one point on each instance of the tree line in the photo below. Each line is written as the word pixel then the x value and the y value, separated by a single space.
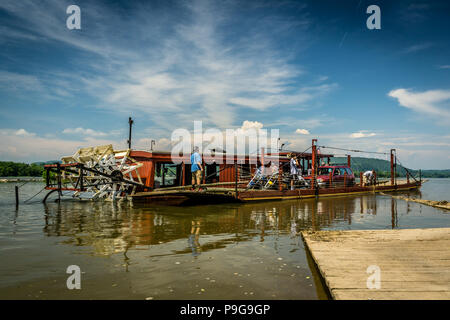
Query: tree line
pixel 382 167
pixel 14 169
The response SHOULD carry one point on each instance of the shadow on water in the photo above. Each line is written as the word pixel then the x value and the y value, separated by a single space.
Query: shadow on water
pixel 227 251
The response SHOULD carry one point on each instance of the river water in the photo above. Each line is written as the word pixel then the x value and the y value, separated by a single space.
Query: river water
pixel 232 251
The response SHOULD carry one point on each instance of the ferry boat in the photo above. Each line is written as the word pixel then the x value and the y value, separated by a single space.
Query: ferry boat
pixel 160 177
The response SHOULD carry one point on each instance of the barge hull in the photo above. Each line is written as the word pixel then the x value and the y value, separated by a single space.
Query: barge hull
pixel 188 197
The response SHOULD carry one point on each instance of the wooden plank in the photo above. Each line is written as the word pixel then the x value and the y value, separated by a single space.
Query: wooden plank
pixel 413 263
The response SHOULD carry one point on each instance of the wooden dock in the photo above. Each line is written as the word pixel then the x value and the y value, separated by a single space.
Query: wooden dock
pixel 414 264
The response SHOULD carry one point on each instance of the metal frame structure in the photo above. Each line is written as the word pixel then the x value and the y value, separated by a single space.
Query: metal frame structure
pixel 96 173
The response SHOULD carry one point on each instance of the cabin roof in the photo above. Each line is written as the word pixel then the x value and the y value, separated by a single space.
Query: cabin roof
pixel 167 155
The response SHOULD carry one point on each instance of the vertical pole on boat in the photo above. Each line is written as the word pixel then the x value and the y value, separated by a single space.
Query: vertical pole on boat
pixel 280 174
pixel 392 166
pixel 330 178
pixel 236 179
pixel 395 167
pixel 262 157
pixel 407 177
pixel 58 170
pixel 47 177
pixel 81 179
pixel 349 161
pixel 17 195
pixel 130 123
pixel 183 177
pixel 313 163
pixel 361 180
pixel 420 176
pixel 204 171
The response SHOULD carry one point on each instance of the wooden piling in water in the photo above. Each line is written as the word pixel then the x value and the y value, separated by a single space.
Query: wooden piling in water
pixel 16 188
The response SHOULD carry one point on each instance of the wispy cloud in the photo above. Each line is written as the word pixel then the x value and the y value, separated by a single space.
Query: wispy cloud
pixel 84 132
pixel 434 103
pixel 415 13
pixel 196 67
pixel 302 131
pixel 12 81
pixel 362 134
pixel 417 47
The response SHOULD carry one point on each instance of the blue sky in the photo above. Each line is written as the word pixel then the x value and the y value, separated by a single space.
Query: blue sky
pixel 299 66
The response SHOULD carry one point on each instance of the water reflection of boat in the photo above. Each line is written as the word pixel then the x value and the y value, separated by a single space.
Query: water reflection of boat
pixel 110 228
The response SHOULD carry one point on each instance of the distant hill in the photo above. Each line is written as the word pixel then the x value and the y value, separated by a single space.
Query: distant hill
pixel 383 168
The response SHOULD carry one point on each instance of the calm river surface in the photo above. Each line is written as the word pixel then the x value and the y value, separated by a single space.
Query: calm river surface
pixel 233 251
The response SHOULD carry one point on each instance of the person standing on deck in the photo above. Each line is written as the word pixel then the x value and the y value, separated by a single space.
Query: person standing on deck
pixel 369 177
pixel 196 168
pixel 294 169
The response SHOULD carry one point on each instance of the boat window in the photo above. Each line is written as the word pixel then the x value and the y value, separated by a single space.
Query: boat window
pixel 212 173
pixel 167 175
pixel 337 172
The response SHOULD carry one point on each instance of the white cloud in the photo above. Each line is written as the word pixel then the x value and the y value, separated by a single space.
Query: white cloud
pixel 302 131
pixel 32 147
pixel 432 102
pixel 446 66
pixel 23 132
pixel 84 132
pixel 362 134
pixel 251 125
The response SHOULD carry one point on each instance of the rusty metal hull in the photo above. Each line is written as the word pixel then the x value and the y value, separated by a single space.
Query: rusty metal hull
pixel 248 196
pixel 187 197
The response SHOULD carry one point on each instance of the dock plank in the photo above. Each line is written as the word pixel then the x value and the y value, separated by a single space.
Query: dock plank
pixel 414 263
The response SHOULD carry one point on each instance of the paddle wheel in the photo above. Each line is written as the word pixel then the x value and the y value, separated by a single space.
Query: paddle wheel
pixel 95 173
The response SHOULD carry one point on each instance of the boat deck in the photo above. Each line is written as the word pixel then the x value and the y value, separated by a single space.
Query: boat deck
pixel 226 194
pixel 414 263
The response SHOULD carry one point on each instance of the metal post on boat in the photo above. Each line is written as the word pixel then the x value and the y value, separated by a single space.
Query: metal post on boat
pixel 262 157
pixel 81 179
pixel 361 181
pixel 280 174
pixel 204 171
pixel 407 177
pixel 313 163
pixel 130 123
pixel 392 166
pixel 236 180
pixel 395 167
pixel 330 178
pixel 58 171
pixel 183 170
pixel 420 176
pixel 349 161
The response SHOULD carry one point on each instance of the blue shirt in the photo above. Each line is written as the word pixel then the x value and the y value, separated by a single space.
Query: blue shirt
pixel 195 158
